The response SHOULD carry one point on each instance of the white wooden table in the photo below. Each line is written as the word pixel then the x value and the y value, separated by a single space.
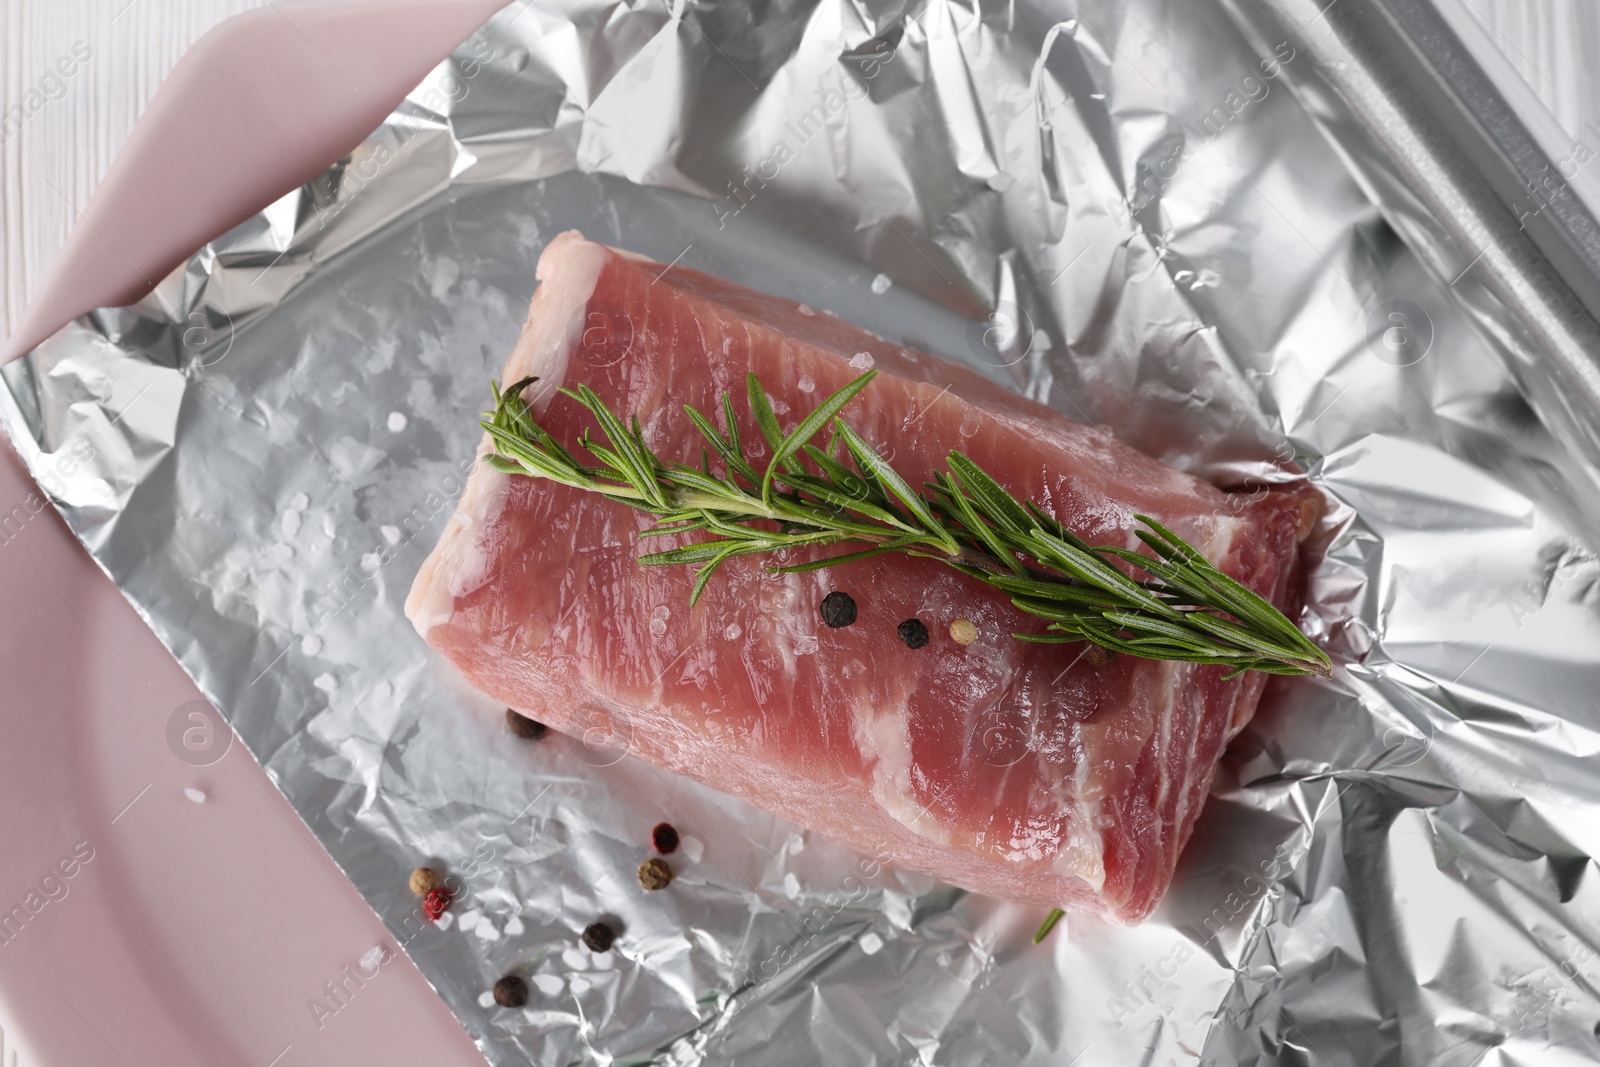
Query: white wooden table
pixel 61 130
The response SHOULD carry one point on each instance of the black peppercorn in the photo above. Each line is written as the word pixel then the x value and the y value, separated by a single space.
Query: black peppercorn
pixel 838 609
pixel 524 727
pixel 665 838
pixel 913 633
pixel 597 937
pixel 511 992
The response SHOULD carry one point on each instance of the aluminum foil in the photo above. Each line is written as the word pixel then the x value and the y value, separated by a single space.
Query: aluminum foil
pixel 1113 206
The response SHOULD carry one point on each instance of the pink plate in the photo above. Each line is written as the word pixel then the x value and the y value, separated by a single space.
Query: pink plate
pixel 160 902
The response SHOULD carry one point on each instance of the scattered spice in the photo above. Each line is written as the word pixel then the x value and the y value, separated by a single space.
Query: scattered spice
pixel 598 937
pixel 665 838
pixel 1098 655
pixel 838 609
pixel 963 631
pixel 435 902
pixel 913 633
pixel 524 727
pixel 655 874
pixel 423 879
pixel 511 992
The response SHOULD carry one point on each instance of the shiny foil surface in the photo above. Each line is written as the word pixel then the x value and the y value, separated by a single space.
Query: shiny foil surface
pixel 1117 207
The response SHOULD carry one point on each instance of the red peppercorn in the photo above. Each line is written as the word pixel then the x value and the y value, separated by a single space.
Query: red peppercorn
pixel 665 838
pixel 436 902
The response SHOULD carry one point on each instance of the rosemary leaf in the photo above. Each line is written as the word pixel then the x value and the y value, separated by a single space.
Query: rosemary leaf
pixel 808 427
pixel 727 448
pixel 876 469
pixel 1000 505
pixel 1048 924
pixel 767 423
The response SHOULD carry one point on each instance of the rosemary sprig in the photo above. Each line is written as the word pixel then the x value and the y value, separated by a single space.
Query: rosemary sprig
pixel 1185 609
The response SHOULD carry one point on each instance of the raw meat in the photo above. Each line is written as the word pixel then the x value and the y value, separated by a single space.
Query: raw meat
pixel 1009 768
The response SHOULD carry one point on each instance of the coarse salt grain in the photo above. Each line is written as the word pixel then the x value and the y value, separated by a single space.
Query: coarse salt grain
pixel 806 309
pixel 397 422
pixel 311 644
pixel 862 361
pixel 196 795
pixel 870 943
pixel 391 534
pixel 487 931
pixel 733 631
pixel 514 926
pixel 445 921
pixel 469 919
pixel 486 1000
pixel 371 959
pixel 325 682
pixel 290 523
pixel 791 885
pixel 299 502
pixel 805 384
pixel 805 645
pixel 692 848
pixel 548 984
pixel 881 283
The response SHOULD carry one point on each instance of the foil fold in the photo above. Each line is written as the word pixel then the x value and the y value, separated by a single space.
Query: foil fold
pixel 1115 207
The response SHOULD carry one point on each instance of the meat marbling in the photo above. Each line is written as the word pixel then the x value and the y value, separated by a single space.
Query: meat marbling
pixel 1014 769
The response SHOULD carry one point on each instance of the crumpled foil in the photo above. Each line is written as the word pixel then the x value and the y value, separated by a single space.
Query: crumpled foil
pixel 1116 207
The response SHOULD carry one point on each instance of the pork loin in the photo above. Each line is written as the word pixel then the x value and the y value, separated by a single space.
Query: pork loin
pixel 1030 772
